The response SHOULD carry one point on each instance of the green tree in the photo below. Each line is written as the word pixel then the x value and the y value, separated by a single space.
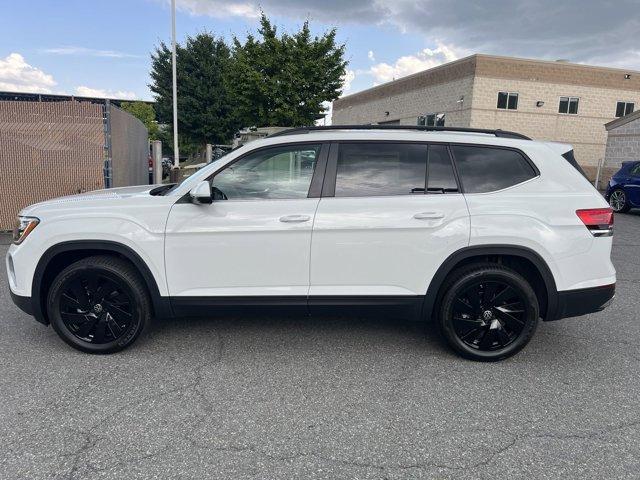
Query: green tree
pixel 205 111
pixel 283 80
pixel 145 113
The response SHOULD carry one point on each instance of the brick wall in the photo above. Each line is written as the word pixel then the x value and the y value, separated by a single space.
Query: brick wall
pixel 623 143
pixel 409 105
pixel 585 131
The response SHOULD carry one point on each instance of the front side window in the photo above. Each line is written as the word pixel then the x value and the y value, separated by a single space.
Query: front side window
pixel 487 169
pixel 507 100
pixel 380 169
pixel 568 105
pixel 624 108
pixel 273 173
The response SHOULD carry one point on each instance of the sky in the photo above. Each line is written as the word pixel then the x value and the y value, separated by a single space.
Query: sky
pixel 103 47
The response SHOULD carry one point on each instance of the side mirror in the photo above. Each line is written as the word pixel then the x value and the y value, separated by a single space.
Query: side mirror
pixel 201 193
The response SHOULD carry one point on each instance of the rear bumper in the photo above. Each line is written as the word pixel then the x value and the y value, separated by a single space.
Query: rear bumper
pixel 573 303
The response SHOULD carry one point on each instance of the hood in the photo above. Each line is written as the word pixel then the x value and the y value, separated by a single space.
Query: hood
pixel 108 193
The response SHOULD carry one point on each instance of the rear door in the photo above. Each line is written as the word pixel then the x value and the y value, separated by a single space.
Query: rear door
pixel 389 215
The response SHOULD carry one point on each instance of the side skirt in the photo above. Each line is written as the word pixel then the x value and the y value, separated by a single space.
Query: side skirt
pixel 387 306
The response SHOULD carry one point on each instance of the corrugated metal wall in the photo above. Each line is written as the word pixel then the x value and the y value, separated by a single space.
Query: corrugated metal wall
pixel 50 149
pixel 47 149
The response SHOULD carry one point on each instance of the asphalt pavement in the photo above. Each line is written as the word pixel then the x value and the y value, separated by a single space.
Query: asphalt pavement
pixel 332 398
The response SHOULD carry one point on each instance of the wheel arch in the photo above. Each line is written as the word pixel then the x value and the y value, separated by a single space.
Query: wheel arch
pixel 62 254
pixel 526 258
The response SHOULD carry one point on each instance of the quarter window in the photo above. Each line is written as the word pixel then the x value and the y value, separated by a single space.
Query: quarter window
pixel 274 173
pixel 486 169
pixel 568 105
pixel 507 101
pixel 624 108
pixel 365 170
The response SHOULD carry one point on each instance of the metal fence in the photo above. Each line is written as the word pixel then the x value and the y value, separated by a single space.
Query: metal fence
pixel 49 149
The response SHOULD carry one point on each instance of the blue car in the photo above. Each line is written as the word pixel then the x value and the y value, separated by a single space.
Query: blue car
pixel 623 191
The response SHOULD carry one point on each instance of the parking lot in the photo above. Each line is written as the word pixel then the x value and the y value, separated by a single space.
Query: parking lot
pixel 326 398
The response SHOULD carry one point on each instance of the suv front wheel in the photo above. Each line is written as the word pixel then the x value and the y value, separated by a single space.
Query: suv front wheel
pixel 98 304
pixel 488 312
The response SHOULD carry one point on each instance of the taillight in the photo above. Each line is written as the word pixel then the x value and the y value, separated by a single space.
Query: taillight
pixel 599 221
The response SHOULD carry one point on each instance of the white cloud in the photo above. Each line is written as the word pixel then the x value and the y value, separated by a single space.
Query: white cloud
pixel 84 91
pixel 371 56
pixel 17 75
pixel 348 77
pixel 408 64
pixel 91 52
pixel 220 9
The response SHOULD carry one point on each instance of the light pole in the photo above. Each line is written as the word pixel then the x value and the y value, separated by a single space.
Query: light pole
pixel 176 153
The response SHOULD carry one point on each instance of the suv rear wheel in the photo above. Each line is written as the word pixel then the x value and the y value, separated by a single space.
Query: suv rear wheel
pixel 488 312
pixel 98 304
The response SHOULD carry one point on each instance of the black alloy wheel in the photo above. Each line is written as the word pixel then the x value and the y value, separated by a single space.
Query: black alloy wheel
pixel 98 304
pixel 95 308
pixel 488 312
pixel 488 315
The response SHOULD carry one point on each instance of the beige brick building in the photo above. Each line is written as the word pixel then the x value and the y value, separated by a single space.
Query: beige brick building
pixel 545 100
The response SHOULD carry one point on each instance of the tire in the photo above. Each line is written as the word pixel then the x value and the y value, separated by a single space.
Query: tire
pixel 618 201
pixel 482 328
pixel 99 304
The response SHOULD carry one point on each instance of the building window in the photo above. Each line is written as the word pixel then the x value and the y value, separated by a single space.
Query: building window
pixel 568 105
pixel 624 108
pixel 432 120
pixel 507 100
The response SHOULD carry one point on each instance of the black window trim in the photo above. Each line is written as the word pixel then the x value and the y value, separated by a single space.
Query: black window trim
pixel 500 147
pixel 315 187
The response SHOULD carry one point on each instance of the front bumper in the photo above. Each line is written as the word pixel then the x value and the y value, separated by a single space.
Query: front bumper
pixel 26 305
pixel 23 303
pixel 573 303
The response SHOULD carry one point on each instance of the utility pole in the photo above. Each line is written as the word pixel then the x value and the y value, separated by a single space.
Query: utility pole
pixel 176 153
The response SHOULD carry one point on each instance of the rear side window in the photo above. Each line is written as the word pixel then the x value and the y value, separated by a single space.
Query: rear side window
pixel 486 169
pixel 440 176
pixel 380 169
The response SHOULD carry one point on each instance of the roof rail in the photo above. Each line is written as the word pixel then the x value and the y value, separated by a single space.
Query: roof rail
pixel 419 128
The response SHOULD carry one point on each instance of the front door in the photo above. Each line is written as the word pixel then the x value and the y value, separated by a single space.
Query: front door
pixel 633 185
pixel 254 239
pixel 391 213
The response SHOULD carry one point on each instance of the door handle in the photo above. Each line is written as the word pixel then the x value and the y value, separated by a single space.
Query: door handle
pixel 428 216
pixel 295 218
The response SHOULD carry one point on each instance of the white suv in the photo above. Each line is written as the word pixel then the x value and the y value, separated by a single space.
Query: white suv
pixel 484 232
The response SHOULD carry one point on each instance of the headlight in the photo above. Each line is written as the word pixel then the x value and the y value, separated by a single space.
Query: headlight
pixel 23 228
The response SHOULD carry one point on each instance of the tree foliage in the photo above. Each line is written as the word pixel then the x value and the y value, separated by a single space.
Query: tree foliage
pixel 267 80
pixel 145 113
pixel 283 80
pixel 205 111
